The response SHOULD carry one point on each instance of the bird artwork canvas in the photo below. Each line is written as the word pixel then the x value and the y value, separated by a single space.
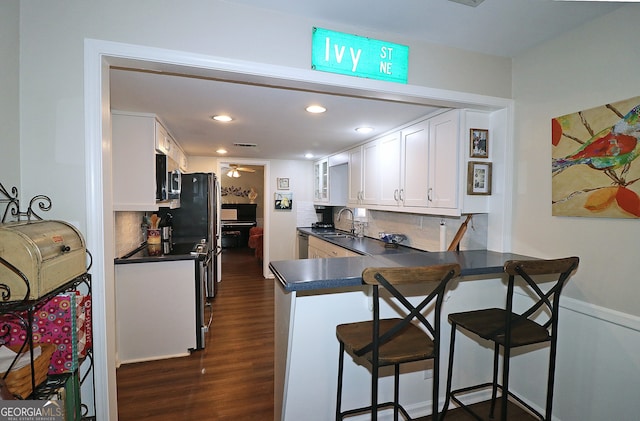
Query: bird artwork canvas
pixel 594 165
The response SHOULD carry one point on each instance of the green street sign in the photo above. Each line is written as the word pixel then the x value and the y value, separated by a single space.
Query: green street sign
pixel 352 55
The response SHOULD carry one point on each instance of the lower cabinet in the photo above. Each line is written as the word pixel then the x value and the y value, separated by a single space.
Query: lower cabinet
pixel 155 310
pixel 320 249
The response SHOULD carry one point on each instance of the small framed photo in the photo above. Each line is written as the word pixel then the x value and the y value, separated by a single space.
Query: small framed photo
pixel 479 178
pixel 283 183
pixel 283 201
pixel 479 143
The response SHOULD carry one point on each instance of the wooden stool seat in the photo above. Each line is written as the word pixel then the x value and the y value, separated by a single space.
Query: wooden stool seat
pixel 410 344
pixel 490 324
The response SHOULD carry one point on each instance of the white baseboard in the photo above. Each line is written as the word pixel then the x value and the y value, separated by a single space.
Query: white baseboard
pixel 602 313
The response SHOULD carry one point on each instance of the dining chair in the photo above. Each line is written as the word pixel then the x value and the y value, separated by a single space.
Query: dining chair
pixel 395 341
pixel 509 329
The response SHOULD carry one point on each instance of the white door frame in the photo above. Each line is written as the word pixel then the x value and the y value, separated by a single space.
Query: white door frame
pixel 100 55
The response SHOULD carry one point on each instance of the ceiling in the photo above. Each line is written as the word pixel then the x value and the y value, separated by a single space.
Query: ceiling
pixel 275 119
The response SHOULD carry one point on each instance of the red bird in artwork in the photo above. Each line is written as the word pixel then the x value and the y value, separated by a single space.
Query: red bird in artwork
pixel 612 148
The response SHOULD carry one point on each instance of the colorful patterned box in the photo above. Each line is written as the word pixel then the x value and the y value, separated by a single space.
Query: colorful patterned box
pixel 64 321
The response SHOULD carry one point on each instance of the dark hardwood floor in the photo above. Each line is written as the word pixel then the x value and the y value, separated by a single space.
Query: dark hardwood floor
pixel 232 378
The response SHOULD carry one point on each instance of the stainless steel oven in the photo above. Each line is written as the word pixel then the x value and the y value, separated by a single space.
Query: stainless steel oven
pixel 204 309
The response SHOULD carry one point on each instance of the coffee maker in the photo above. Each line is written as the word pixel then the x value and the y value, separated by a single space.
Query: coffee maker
pixel 326 217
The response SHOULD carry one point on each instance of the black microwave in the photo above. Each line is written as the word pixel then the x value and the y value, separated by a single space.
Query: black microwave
pixel 168 178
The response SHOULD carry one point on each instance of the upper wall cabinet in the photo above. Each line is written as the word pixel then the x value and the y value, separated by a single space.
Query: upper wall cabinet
pixel 420 168
pixel 419 165
pixel 415 161
pixel 136 138
pixel 321 181
pixel 166 144
pixel 444 178
pixel 364 174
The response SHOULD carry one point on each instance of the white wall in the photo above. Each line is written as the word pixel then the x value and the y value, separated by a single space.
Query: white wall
pixel 9 102
pixel 600 328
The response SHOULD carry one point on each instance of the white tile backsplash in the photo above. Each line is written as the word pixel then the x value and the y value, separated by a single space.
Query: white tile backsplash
pixel 128 231
pixel 423 231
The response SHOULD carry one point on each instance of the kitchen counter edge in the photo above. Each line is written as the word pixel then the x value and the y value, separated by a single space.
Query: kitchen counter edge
pixel 321 274
pixel 148 259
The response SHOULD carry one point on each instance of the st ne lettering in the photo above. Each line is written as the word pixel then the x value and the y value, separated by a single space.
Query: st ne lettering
pixel 385 66
pixel 338 51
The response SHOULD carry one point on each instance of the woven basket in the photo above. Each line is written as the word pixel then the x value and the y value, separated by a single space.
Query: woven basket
pixel 19 381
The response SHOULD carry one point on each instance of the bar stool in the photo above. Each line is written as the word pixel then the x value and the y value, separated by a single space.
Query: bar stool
pixel 537 324
pixel 386 342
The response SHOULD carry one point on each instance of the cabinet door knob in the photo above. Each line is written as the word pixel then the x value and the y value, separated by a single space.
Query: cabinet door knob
pixel 429 194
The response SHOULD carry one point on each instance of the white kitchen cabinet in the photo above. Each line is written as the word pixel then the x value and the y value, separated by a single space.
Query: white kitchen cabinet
pixel 355 175
pixel 320 249
pixel 390 183
pixel 445 178
pixel 338 185
pixel 133 148
pixel 321 180
pixel 162 139
pixel 405 162
pixel 135 140
pixel 155 310
pixel 414 166
pixel 420 165
pixel 364 174
pixel 182 161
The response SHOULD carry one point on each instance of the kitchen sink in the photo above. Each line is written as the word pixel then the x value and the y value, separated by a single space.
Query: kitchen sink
pixel 337 235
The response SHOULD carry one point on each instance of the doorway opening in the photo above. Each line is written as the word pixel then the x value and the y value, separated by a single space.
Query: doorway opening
pixel 100 56
pixel 244 207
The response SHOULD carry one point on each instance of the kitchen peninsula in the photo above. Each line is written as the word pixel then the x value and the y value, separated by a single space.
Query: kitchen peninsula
pixel 315 295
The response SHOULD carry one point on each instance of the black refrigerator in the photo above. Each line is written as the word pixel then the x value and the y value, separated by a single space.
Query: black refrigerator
pixel 198 220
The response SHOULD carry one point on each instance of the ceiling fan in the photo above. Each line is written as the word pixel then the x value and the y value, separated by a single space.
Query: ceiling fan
pixel 233 170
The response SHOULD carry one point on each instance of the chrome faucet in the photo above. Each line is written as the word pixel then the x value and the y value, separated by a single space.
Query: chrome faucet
pixel 353 219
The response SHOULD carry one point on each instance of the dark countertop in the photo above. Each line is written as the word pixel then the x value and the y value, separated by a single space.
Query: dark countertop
pixel 181 251
pixel 318 274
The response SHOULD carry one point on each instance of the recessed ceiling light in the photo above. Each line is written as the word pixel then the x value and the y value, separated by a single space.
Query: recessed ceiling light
pixel 221 151
pixel 308 155
pixel 223 118
pixel 316 109
pixel 364 130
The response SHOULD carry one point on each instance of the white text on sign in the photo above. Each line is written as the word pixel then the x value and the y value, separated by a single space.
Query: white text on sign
pixel 339 51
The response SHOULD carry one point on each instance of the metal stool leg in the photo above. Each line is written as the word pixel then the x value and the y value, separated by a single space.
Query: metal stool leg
pixel 551 375
pixel 494 387
pixel 396 392
pixel 447 396
pixel 505 381
pixel 339 395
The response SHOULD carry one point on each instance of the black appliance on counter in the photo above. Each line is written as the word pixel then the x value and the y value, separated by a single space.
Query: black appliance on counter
pixel 325 214
pixel 198 221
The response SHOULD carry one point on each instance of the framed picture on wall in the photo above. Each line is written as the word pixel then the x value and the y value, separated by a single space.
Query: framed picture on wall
pixel 479 178
pixel 283 183
pixel 479 143
pixel 283 201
